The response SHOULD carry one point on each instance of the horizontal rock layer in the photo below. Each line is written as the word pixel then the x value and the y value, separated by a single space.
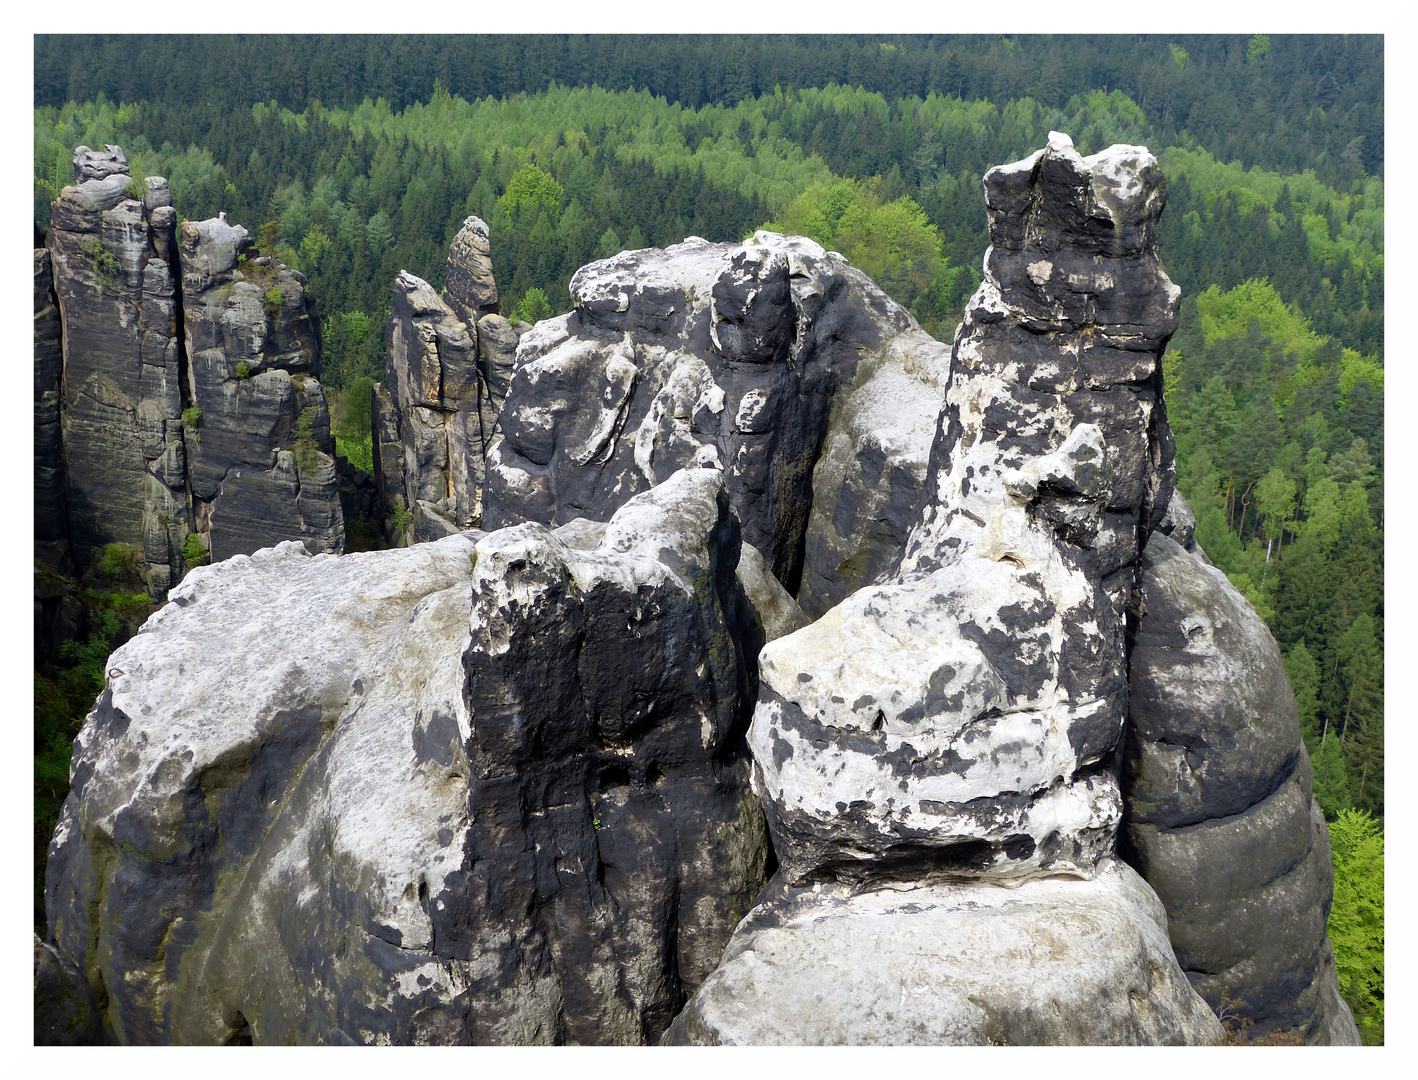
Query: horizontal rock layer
pixel 1219 816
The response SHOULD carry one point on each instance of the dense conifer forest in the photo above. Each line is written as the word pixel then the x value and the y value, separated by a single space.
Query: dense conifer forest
pixel 368 153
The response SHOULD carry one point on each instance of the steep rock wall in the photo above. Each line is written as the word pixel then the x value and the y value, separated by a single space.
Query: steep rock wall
pixel 1218 810
pixel 187 400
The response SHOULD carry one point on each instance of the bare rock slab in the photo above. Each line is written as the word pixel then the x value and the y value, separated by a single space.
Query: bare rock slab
pixel 1054 961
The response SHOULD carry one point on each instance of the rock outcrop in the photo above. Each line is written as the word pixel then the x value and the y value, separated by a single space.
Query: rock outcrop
pixel 114 261
pixel 434 417
pixel 441 407
pixel 187 399
pixel 262 465
pixel 519 785
pixel 490 788
pixel 1063 961
pixel 957 722
pixel 773 360
pixel 1218 812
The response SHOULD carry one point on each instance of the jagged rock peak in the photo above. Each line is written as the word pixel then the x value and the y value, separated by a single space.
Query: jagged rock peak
pixel 471 288
pixel 956 722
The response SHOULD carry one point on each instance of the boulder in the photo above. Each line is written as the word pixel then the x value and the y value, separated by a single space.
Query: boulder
pixel 1059 961
pixel 490 788
pixel 1219 817
pixel 772 359
pixel 957 721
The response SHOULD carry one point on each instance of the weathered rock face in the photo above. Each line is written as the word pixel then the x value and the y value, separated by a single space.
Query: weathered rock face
pixel 959 716
pixel 65 1010
pixel 1217 794
pixel 772 359
pixel 51 532
pixel 1057 961
pixel 153 327
pixel 113 261
pixel 471 289
pixel 956 722
pixel 441 409
pixel 490 788
pixel 262 465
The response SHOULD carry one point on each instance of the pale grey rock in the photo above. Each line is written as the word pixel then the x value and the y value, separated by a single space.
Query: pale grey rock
pixel 1219 816
pixel 497 353
pixel 488 788
pixel 957 721
pixel 1055 961
pixel 99 164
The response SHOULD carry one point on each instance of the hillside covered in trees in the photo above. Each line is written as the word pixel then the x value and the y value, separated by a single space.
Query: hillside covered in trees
pixel 368 153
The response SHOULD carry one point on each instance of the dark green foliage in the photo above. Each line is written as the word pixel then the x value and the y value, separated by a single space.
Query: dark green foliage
pixel 242 371
pixel 105 263
pixel 118 561
pixel 194 552
pixel 192 417
pixel 531 308
pixel 352 415
pixel 402 517
pixel 134 190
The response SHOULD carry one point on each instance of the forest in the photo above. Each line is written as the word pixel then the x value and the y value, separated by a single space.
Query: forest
pixel 366 155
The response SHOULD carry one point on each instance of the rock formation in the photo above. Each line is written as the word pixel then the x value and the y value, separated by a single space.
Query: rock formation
pixel 519 785
pixel 434 416
pixel 188 401
pixel 111 245
pixel 773 360
pixel 1218 812
pixel 956 723
pixel 490 788
pixel 262 465
pixel 51 533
